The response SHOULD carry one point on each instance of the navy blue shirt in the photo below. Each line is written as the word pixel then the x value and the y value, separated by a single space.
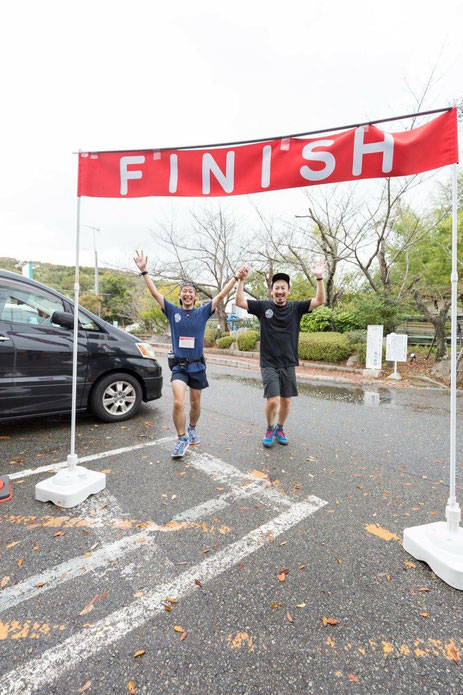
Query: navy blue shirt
pixel 188 324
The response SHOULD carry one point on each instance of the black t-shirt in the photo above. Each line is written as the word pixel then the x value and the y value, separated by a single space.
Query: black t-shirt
pixel 279 330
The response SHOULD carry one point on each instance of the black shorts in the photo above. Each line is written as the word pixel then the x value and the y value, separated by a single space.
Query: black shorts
pixel 279 381
pixel 195 380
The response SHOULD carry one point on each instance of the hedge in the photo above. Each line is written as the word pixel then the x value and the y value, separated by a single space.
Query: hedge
pixel 225 342
pixel 209 336
pixel 247 340
pixel 323 347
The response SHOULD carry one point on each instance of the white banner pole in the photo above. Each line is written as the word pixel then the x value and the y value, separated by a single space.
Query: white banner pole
pixel 73 484
pixel 452 511
pixel 441 544
pixel 72 458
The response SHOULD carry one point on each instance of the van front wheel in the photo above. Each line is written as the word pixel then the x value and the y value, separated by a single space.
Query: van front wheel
pixel 116 397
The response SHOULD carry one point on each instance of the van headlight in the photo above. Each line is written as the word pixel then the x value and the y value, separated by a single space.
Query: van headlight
pixel 146 350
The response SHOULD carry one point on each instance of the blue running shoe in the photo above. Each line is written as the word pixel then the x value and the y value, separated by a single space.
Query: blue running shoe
pixel 280 436
pixel 181 445
pixel 193 438
pixel 268 439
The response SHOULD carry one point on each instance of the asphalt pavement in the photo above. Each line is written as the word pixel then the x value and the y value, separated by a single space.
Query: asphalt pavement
pixel 237 570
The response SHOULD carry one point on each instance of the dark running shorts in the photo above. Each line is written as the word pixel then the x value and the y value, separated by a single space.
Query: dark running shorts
pixel 195 380
pixel 279 381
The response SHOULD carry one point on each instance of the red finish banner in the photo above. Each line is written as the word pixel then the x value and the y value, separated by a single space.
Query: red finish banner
pixel 364 152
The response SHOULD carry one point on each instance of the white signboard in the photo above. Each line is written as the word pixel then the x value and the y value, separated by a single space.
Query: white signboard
pixel 374 347
pixel 396 347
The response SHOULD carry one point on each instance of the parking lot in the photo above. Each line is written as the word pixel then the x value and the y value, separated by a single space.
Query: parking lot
pixel 236 569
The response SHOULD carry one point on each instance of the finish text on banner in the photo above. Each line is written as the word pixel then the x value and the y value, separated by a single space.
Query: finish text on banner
pixel 359 153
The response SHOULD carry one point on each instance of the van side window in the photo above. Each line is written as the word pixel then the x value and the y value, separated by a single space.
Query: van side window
pixel 87 324
pixel 32 307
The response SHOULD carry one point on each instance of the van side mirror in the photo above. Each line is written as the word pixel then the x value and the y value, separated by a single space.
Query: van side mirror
pixel 63 319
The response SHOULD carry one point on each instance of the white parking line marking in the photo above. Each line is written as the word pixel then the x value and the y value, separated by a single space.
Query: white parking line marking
pixel 58 575
pixel 223 472
pixel 53 663
pixel 101 519
pixel 90 457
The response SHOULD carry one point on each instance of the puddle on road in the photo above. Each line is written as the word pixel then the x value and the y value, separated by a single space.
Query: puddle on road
pixel 344 394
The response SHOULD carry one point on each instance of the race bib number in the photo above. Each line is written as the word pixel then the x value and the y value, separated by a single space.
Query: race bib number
pixel 186 342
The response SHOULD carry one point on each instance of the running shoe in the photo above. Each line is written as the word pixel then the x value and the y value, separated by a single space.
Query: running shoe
pixel 181 445
pixel 280 436
pixel 193 438
pixel 268 439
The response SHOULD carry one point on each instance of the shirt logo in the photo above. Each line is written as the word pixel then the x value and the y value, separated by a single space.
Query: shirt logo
pixel 269 313
pixel 177 318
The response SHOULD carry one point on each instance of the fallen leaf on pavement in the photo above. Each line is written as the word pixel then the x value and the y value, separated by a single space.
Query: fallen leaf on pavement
pixel 329 621
pixel 4 582
pixel 301 567
pixel 289 616
pixel 20 562
pixel 198 582
pixel 183 635
pixel 131 687
pixel 12 544
pixel 301 605
pixel 352 677
pixel 85 687
pixel 275 605
pixel 167 607
pixel 139 594
pixel 424 614
pixel 89 607
pixel 59 533
pixel 454 653
pixel 138 653
pixel 409 564
pixel 424 588
pixel 177 628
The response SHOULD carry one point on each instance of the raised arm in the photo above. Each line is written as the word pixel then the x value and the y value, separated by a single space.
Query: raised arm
pixel 240 299
pixel 230 284
pixel 142 261
pixel 318 269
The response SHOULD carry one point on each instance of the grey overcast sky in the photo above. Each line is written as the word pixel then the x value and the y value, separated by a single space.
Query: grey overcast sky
pixel 105 74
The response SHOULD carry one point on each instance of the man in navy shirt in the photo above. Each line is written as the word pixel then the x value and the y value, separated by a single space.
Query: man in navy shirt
pixel 279 336
pixel 187 324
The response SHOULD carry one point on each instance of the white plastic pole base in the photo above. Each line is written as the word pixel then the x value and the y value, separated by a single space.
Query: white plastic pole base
pixel 71 486
pixel 395 375
pixel 440 547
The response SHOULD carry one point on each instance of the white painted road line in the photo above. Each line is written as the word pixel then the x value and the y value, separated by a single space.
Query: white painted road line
pixel 58 575
pixel 223 472
pixel 101 559
pixel 53 663
pixel 86 459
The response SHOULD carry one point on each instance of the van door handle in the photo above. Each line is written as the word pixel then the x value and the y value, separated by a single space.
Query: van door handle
pixel 3 338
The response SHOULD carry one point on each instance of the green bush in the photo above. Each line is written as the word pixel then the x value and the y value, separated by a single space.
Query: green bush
pixel 361 350
pixel 355 337
pixel 323 347
pixel 225 342
pixel 345 320
pixel 247 340
pixel 375 308
pixel 209 336
pixel 321 319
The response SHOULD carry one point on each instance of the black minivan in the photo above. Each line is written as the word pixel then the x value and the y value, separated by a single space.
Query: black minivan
pixel 115 372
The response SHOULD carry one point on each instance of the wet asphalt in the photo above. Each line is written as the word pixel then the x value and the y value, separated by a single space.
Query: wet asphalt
pixel 354 612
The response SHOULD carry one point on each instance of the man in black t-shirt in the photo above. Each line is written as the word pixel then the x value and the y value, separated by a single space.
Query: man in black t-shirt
pixel 279 336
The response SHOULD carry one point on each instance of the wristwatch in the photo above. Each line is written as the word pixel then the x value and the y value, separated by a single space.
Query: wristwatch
pixel 145 272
